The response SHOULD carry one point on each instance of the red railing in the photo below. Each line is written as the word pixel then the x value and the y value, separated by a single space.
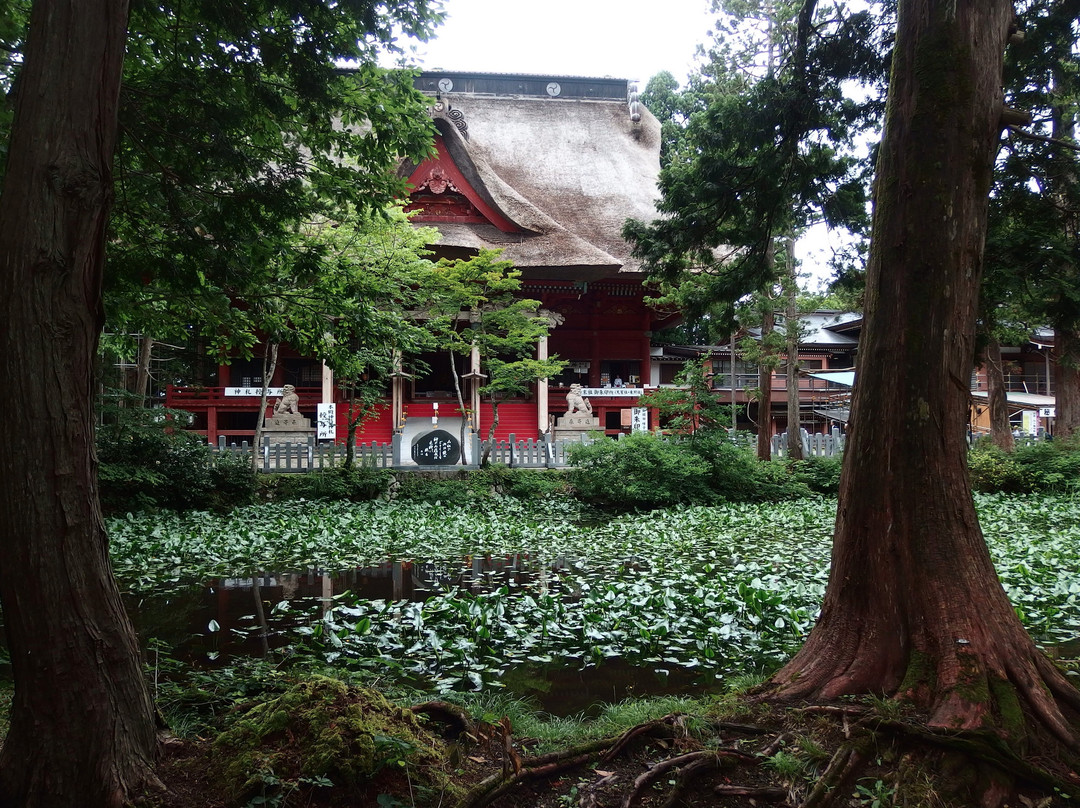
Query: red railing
pixel 187 398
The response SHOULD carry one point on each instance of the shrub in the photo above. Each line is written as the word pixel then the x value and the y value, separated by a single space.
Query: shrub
pixel 640 470
pixel 358 484
pixel 520 483
pixel 1044 466
pixel 645 470
pixel 821 475
pixel 421 486
pixel 232 481
pixel 146 462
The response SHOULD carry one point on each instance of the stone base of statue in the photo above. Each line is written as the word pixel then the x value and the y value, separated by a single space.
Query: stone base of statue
pixel 575 427
pixel 288 429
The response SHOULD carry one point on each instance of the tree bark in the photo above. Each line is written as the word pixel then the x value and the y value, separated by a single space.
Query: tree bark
pixel 791 332
pixel 1066 382
pixel 1000 429
pixel 1066 326
pixel 82 721
pixel 913 606
pixel 142 372
pixel 765 376
pixel 269 368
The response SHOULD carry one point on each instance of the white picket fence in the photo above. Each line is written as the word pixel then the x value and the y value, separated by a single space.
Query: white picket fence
pixel 815 445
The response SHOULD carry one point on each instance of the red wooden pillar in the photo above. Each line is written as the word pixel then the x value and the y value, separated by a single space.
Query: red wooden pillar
pixel 646 357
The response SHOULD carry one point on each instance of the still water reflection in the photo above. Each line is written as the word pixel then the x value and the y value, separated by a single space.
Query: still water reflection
pixel 207 624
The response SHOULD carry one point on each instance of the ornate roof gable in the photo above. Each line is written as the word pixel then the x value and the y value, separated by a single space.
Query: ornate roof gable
pixel 441 193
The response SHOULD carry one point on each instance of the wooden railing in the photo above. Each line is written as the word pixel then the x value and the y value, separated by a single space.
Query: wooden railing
pixel 310 455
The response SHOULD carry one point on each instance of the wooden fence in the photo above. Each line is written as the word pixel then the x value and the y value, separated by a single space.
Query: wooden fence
pixel 815 445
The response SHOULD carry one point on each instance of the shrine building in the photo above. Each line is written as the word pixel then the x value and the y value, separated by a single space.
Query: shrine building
pixel 546 169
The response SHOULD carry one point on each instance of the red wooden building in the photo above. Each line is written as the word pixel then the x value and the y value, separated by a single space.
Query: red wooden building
pixel 547 169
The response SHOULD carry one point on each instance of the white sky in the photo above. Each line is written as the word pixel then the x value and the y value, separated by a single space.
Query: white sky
pixel 626 39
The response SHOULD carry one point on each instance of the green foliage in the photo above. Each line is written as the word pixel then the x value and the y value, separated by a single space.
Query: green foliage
pixel 449 491
pixel 522 483
pixel 6 695
pixel 641 470
pixel 240 130
pixel 644 470
pixel 352 484
pixel 469 487
pixel 473 304
pixel 691 406
pixel 1035 203
pixel 821 475
pixel 147 462
pixel 759 147
pixel 719 591
pixel 1045 466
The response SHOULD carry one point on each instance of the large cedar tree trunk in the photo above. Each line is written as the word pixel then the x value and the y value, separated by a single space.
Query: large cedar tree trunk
pixel 913 606
pixel 82 722
pixel 997 399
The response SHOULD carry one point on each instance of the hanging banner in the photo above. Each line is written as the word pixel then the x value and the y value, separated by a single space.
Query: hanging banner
pixel 622 392
pixel 326 422
pixel 271 392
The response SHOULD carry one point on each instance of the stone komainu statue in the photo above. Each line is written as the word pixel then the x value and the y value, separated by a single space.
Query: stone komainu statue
pixel 577 403
pixel 289 403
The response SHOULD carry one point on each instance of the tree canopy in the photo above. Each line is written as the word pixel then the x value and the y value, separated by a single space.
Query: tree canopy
pixel 758 147
pixel 238 125
pixel 230 151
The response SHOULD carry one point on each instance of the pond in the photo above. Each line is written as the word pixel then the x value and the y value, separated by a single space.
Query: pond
pixel 208 625
pixel 540 601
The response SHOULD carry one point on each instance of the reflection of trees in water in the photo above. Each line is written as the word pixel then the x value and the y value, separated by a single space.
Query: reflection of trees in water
pixel 249 624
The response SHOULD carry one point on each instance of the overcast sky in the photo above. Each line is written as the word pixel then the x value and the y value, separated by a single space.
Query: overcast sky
pixel 626 39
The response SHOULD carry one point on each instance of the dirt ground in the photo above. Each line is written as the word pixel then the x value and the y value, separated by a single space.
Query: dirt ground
pixel 817 755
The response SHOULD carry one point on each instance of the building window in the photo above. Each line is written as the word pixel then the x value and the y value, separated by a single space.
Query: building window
pixel 302 373
pixel 746 374
pixel 246 373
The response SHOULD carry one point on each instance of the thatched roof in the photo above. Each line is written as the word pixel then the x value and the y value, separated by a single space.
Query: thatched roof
pixel 566 171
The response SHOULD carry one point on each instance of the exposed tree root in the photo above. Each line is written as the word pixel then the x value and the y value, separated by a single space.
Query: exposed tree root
pixel 667 727
pixel 493 787
pixel 740 729
pixel 691 765
pixel 766 793
pixel 453 716
pixel 834 709
pixel 774 745
pixel 841 772
pixel 984 746
pixel 686 775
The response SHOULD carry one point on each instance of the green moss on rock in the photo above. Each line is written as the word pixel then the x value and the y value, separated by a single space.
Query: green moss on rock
pixel 323 728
